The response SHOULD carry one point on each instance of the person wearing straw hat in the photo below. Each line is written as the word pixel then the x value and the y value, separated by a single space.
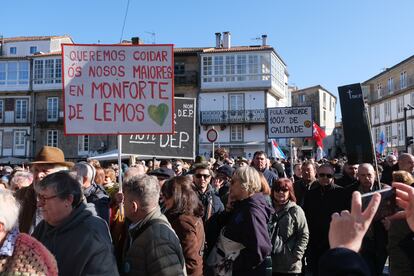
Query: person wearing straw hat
pixel 47 161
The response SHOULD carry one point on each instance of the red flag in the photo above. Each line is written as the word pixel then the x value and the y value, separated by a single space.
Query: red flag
pixel 318 134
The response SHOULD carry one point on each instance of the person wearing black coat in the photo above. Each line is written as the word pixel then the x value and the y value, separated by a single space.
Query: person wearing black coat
pixel 321 201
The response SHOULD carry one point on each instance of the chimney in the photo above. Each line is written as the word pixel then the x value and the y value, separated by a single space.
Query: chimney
pixel 264 40
pixel 218 40
pixel 136 40
pixel 227 40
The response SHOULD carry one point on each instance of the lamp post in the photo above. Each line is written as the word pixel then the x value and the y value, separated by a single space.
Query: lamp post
pixel 408 140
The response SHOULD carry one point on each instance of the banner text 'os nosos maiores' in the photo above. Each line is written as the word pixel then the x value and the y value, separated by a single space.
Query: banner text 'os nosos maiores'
pixel 118 89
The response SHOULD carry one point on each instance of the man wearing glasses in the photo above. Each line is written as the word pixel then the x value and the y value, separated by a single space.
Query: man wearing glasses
pixel 48 160
pixel 324 199
pixel 211 202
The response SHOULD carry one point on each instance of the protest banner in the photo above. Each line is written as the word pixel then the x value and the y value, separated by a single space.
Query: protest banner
pixel 355 123
pixel 118 89
pixel 289 122
pixel 181 144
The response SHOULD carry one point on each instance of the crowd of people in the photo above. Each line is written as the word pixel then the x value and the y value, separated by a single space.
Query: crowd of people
pixel 221 216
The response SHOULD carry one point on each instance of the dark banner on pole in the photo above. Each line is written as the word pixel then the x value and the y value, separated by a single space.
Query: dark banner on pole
pixel 179 145
pixel 355 123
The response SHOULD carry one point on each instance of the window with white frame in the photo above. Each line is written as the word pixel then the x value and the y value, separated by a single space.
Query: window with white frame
pixel 324 99
pixel 33 49
pixel 324 118
pixel 376 112
pixel 330 103
pixel 236 101
pixel 387 108
pixel 301 98
pixel 390 84
pixel 230 68
pixel 52 138
pixel 208 69
pixel 400 104
pixel 14 72
pixel 236 133
pixel 13 51
pixel 241 67
pixel 52 108
pixel 403 80
pixel 83 144
pixel 218 68
pixel 253 67
pixel 400 132
pixel 238 67
pixel 47 71
pixel 412 99
pixel 388 134
pixel 19 139
pixel 21 108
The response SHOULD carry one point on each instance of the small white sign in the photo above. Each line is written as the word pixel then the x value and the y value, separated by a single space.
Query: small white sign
pixel 289 122
pixel 118 89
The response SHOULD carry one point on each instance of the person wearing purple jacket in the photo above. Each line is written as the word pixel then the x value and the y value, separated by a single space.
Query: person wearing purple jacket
pixel 250 213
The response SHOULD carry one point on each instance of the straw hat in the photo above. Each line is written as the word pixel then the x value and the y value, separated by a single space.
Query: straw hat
pixel 51 155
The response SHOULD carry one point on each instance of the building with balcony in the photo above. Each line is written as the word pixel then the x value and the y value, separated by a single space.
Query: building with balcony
pixel 387 93
pixel 237 84
pixel 323 105
pixel 17 106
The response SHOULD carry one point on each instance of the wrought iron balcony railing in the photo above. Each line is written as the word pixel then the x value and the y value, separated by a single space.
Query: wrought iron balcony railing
pixel 243 116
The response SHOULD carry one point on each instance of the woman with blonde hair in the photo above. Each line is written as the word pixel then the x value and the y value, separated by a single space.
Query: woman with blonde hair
pixel 246 230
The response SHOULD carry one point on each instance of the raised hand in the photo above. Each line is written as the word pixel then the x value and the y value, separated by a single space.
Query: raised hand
pixel 348 229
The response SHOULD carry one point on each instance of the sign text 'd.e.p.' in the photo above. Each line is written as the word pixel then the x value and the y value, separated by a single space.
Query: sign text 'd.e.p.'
pixel 181 144
pixel 289 122
pixel 118 89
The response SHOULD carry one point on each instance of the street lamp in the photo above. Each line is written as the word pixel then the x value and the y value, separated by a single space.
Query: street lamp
pixel 408 140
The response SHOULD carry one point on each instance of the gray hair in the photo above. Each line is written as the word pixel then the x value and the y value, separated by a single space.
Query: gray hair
pixel 63 184
pixel 9 210
pixel 19 177
pixel 83 169
pixel 249 179
pixel 139 169
pixel 145 188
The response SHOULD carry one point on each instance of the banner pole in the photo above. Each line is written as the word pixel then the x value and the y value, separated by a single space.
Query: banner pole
pixel 372 141
pixel 121 205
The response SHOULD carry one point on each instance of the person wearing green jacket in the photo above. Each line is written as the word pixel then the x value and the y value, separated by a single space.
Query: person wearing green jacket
pixel 289 230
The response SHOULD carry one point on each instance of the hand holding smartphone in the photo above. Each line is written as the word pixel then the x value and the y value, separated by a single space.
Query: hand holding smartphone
pixel 387 205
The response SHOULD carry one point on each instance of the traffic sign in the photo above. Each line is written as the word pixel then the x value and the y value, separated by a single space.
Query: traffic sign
pixel 212 135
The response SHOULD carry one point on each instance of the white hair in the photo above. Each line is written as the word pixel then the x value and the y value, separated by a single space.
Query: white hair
pixel 83 169
pixel 9 210
pixel 145 188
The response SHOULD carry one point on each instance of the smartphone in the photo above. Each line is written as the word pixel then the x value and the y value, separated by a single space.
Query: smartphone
pixel 387 205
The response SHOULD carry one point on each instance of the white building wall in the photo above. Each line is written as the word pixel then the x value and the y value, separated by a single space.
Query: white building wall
pixel 23 47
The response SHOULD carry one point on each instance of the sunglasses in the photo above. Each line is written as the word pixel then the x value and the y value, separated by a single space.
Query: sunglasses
pixel 279 189
pixel 328 175
pixel 199 175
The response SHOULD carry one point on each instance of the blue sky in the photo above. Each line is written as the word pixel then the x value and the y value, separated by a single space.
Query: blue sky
pixel 326 42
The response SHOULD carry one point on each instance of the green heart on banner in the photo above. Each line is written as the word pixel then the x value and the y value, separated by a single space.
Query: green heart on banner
pixel 158 113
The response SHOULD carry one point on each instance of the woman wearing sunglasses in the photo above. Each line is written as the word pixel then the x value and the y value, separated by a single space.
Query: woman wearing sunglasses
pixel 289 230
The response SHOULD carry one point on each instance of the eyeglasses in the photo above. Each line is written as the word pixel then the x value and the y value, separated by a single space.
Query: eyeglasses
pixel 199 175
pixel 328 175
pixel 279 189
pixel 43 199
